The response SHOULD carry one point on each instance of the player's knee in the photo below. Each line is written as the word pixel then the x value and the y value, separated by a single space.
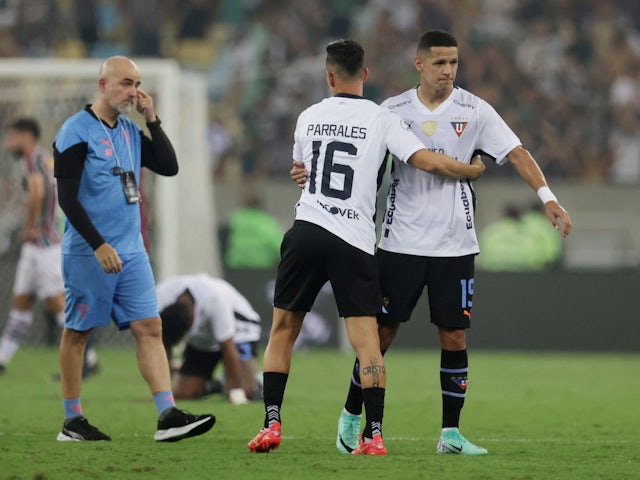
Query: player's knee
pixel 453 339
pixel 75 339
pixel 147 328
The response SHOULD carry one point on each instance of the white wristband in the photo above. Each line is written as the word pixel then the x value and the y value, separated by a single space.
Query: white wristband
pixel 546 195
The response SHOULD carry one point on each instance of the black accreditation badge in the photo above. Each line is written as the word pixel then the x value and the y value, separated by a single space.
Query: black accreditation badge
pixel 130 187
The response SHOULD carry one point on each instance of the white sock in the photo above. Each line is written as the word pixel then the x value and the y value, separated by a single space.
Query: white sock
pixel 14 332
pixel 91 357
pixel 60 319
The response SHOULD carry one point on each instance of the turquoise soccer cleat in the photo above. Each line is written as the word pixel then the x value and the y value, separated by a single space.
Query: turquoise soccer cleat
pixel 348 432
pixel 453 442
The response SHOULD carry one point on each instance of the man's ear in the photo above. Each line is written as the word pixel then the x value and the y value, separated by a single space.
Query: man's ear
pixel 102 82
pixel 331 79
pixel 418 63
pixel 365 74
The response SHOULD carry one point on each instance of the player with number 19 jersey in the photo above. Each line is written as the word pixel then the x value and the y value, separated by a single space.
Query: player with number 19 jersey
pixel 433 216
pixel 343 141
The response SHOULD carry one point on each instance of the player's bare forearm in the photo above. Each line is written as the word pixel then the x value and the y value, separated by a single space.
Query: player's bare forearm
pixel 527 168
pixel 232 365
pixel 445 166
pixel 530 172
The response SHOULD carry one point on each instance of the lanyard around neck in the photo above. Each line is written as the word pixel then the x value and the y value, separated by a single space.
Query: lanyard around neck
pixel 125 134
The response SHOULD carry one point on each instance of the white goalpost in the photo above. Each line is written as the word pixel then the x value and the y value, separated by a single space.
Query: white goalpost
pixel 181 209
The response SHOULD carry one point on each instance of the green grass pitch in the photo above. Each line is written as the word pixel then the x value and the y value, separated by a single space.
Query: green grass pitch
pixel 541 415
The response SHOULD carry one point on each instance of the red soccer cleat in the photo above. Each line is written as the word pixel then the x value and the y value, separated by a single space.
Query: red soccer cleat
pixel 267 439
pixel 373 447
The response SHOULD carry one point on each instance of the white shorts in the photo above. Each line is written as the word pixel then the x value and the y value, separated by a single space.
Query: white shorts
pixel 39 271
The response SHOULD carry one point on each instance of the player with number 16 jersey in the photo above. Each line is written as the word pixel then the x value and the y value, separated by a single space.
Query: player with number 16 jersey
pixel 342 140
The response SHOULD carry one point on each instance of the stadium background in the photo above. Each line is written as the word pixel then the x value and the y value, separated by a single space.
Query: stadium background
pixel 231 76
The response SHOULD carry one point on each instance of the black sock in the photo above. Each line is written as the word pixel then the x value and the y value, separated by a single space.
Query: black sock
pixel 353 404
pixel 374 408
pixel 273 387
pixel 453 381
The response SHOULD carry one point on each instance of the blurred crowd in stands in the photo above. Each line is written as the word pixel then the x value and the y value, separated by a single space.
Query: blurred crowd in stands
pixel 565 74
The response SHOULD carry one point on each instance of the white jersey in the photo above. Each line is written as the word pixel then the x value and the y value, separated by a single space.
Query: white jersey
pixel 433 216
pixel 342 141
pixel 220 311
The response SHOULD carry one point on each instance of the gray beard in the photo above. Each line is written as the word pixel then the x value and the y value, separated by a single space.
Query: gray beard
pixel 124 110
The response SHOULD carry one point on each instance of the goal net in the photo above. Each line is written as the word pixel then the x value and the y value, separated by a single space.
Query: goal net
pixel 181 226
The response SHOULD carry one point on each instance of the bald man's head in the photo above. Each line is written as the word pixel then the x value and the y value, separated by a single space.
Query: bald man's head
pixel 118 80
pixel 112 65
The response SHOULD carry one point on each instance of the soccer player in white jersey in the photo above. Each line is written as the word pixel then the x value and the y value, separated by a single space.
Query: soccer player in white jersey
pixel 218 323
pixel 342 141
pixel 428 235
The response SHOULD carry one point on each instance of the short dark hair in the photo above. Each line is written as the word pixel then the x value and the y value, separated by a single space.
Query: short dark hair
pixel 436 38
pixel 176 322
pixel 345 55
pixel 26 125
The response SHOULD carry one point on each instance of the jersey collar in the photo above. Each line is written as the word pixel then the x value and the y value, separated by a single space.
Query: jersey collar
pixel 348 95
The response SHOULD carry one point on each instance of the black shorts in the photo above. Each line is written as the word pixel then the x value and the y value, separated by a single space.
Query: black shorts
pixel 199 363
pixel 449 281
pixel 311 256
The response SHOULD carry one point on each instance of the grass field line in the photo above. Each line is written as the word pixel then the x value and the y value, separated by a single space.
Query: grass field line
pixel 489 440
pixel 434 439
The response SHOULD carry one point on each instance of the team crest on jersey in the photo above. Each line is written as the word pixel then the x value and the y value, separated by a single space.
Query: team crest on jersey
pixel 460 381
pixel 429 127
pixel 459 124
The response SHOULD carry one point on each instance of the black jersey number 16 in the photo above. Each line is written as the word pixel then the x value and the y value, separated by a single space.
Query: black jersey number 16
pixel 330 167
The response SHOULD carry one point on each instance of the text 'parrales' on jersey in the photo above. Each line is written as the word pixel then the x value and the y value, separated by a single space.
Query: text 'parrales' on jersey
pixel 334 130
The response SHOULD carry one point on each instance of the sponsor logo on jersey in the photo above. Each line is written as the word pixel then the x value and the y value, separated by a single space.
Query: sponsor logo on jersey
pixel 398 105
pixel 349 213
pixel 388 215
pixel 466 203
pixel 464 105
pixel 429 127
pixel 459 124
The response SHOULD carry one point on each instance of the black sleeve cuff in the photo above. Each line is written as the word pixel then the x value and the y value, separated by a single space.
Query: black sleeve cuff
pixel 154 124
